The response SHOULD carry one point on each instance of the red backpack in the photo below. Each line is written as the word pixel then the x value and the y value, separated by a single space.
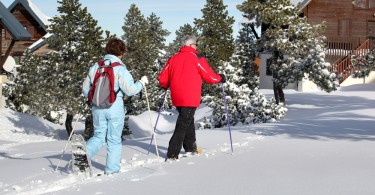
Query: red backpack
pixel 102 93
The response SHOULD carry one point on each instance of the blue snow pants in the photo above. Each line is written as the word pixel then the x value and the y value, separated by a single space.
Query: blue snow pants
pixel 108 125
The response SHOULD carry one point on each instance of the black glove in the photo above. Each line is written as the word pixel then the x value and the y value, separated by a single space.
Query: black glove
pixel 223 78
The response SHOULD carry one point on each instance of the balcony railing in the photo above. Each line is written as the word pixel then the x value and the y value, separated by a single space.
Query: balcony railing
pixel 341 46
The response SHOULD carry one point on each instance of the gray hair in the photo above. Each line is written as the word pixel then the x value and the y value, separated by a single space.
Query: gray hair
pixel 189 39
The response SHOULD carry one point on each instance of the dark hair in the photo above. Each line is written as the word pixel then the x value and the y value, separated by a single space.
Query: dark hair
pixel 115 47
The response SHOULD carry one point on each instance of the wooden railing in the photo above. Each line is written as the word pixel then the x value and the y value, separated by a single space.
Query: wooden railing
pixel 343 66
pixel 340 46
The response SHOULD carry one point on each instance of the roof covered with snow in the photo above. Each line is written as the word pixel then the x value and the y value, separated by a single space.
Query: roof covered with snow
pixel 303 4
pixel 39 43
pixel 38 15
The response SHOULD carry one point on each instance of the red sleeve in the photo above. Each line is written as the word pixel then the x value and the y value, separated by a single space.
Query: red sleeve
pixel 208 75
pixel 164 76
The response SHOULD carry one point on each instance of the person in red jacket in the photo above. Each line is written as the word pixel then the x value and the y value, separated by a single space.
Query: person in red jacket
pixel 183 74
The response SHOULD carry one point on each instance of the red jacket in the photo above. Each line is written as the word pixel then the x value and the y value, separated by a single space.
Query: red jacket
pixel 183 74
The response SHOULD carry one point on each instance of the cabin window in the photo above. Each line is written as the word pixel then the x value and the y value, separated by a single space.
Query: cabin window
pixel 362 4
pixel 371 4
pixel 268 67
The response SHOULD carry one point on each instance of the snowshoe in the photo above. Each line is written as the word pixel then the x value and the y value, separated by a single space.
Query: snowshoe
pixel 80 161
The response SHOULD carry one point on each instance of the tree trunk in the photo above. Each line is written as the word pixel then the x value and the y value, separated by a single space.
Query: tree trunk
pixel 68 124
pixel 278 93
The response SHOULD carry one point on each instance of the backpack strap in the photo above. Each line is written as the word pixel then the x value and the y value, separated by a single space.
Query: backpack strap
pixel 101 63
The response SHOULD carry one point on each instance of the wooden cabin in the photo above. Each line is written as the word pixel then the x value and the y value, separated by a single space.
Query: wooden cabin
pixel 350 25
pixel 10 26
pixel 350 29
pixel 32 19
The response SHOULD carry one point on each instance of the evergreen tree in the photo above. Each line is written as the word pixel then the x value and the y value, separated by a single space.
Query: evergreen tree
pixel 26 89
pixel 146 44
pixel 235 96
pixel 137 39
pixel 245 103
pixel 291 35
pixel 363 64
pixel 157 36
pixel 244 57
pixel 77 44
pixel 137 58
pixel 176 44
pixel 53 83
pixel 216 41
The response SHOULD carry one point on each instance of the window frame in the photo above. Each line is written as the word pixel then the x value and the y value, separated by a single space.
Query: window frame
pixel 369 4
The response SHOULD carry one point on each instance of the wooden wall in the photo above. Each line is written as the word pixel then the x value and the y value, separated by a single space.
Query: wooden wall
pixel 31 25
pixel 342 18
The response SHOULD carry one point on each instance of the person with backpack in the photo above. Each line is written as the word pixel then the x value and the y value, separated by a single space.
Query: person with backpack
pixel 183 74
pixel 105 85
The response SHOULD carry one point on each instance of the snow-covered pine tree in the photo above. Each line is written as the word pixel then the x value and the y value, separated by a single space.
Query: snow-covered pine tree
pixel 237 85
pixel 363 64
pixel 77 43
pixel 136 59
pixel 17 92
pixel 157 36
pixel 292 36
pixel 244 56
pixel 146 42
pixel 22 92
pixel 216 41
pixel 235 96
pixel 245 103
pixel 258 109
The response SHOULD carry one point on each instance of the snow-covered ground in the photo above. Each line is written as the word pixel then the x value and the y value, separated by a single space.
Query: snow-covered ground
pixel 325 146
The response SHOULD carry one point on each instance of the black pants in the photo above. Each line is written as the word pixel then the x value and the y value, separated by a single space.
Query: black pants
pixel 184 133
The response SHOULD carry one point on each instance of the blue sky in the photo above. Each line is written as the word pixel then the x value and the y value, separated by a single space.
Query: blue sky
pixel 110 13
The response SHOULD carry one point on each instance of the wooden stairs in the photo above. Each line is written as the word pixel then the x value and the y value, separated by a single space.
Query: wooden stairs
pixel 343 67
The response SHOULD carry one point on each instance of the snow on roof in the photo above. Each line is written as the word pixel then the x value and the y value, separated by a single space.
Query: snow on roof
pixel 295 2
pixel 39 43
pixel 39 13
pixel 304 3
